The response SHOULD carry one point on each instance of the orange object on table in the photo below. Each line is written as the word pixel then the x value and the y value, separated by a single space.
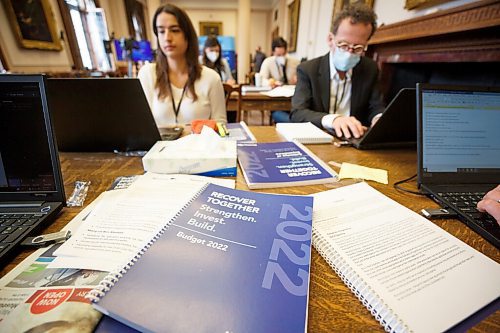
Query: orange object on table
pixel 197 125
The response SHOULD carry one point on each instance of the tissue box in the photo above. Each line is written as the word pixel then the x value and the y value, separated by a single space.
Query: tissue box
pixel 175 157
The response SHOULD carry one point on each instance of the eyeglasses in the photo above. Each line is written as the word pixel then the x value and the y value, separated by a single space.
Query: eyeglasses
pixel 357 49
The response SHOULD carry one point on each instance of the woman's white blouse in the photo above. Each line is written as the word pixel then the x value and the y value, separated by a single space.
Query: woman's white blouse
pixel 209 105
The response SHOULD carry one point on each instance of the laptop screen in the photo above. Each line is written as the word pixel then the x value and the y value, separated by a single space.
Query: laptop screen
pixel 28 162
pixel 119 119
pixel 459 134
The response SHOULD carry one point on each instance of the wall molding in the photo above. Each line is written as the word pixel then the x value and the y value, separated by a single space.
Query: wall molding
pixel 477 15
pixel 468 33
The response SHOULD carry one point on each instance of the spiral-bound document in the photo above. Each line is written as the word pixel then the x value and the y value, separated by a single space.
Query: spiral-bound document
pixel 124 220
pixel 410 274
pixel 230 261
pixel 303 132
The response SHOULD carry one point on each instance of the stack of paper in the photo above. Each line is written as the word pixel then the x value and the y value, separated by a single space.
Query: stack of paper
pixel 283 91
pixel 246 89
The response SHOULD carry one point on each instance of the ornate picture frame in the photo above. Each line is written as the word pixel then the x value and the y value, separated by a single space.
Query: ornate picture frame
pixel 33 24
pixel 339 4
pixel 412 4
pixel 136 20
pixel 210 28
pixel 293 12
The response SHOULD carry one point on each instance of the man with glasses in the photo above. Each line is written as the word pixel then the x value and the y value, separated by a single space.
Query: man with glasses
pixel 339 91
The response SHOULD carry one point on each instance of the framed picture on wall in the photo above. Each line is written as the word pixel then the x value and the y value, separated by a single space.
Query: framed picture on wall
pixel 276 33
pixel 210 28
pixel 412 4
pixel 339 4
pixel 136 20
pixel 33 24
pixel 293 13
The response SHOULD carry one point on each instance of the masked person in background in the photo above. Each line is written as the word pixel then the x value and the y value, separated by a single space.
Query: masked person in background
pixel 212 59
pixel 277 70
pixel 339 91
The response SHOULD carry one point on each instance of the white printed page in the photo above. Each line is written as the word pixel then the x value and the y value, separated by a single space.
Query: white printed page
pixel 283 91
pixel 429 278
pixel 124 221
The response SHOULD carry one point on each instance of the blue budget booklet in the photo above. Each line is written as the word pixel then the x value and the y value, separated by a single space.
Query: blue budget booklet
pixel 281 164
pixel 230 261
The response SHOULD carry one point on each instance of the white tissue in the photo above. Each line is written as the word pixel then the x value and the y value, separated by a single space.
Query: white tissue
pixel 205 153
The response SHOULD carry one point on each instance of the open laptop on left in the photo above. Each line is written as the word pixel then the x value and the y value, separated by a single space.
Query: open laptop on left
pixel 31 186
pixel 105 115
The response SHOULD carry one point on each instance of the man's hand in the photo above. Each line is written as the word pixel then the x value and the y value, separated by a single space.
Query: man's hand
pixel 274 83
pixel 491 203
pixel 347 127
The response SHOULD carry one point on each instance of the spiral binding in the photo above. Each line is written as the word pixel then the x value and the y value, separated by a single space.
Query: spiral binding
pixel 109 280
pixel 371 300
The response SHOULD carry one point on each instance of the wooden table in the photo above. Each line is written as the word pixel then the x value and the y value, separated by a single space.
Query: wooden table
pixel 254 101
pixel 332 306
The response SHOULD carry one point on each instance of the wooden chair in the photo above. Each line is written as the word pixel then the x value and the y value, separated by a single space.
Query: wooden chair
pixel 228 90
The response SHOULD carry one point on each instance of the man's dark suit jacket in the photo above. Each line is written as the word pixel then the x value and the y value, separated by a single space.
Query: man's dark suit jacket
pixel 311 100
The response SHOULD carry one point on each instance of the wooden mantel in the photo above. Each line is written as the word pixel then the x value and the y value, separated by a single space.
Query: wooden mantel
pixel 468 33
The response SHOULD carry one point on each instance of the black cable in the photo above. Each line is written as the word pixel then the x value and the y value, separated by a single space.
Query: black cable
pixel 399 188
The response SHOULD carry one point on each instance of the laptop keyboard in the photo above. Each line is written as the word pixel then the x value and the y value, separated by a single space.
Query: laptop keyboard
pixel 14 226
pixel 466 203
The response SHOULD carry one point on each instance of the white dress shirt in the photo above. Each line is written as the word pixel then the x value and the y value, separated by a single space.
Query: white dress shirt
pixel 340 95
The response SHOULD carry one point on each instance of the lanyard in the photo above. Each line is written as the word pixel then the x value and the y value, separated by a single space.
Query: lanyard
pixel 176 108
pixel 337 94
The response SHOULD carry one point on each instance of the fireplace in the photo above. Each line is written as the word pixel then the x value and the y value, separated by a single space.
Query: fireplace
pixel 455 46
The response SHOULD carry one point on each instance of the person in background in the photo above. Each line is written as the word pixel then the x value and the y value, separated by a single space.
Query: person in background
pixel 258 58
pixel 213 59
pixel 491 203
pixel 177 87
pixel 339 91
pixel 277 70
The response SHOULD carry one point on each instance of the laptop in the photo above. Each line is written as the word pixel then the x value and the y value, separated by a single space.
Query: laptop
pixel 459 150
pixel 101 115
pixel 396 128
pixel 31 186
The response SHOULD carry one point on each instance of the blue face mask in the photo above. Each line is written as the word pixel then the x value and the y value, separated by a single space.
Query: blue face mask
pixel 345 60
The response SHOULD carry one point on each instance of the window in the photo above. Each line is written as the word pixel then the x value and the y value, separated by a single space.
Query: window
pixel 91 34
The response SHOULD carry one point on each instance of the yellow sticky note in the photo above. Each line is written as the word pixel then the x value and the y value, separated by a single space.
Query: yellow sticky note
pixel 349 170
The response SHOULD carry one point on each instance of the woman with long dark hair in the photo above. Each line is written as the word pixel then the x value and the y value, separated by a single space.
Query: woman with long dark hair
pixel 177 87
pixel 212 58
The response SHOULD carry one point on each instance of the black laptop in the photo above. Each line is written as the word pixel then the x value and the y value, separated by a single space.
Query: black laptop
pixel 396 128
pixel 459 150
pixel 105 114
pixel 31 186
